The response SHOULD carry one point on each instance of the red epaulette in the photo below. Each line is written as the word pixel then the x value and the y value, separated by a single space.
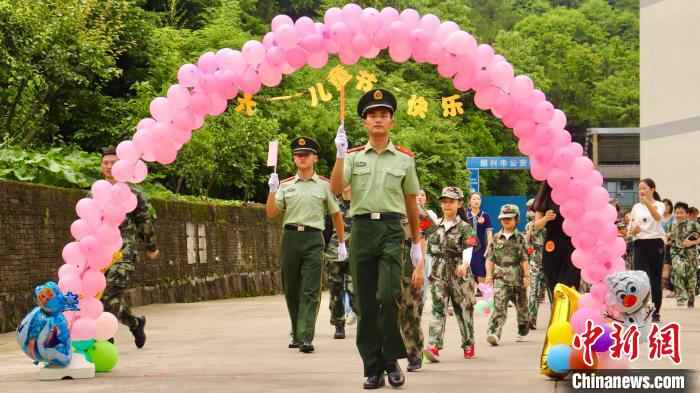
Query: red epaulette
pixel 287 179
pixel 358 148
pixel 405 150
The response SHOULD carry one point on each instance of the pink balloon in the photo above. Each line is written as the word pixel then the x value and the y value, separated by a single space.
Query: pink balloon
pixel 382 38
pixel 388 15
pixel 275 55
pixel 208 62
pixel 101 189
pixel 304 26
pixel 572 209
pixel 128 151
pixel 429 22
pixel 370 20
pixel 73 255
pixel 71 283
pixel 311 43
pixel 123 170
pixel 410 17
pixel 463 81
pixel 501 74
pixel 595 179
pixel 581 167
pixel 188 75
pixel 526 146
pixel 296 57
pixel 199 102
pixel 538 170
pixel 348 56
pixel 521 87
pixel 67 269
pixel 400 51
pixel 583 240
pixel 485 98
pixel 341 33
pixel 448 66
pixel 253 52
pixel 351 12
pixel 502 106
pixel 460 43
pixel 564 156
pixel 250 81
pixel 318 60
pixel 70 316
pixel 361 43
pixel 184 120
pixel 286 37
pixel 581 258
pixel 570 227
pixel 333 15
pixel 524 128
pixel 593 273
pixel 161 109
pixel 558 120
pixel 579 318
pixel 106 326
pixel 90 307
pixel 231 60
pixel 269 75
pixel 444 31
pixel 280 21
pixel 83 329
pixel 544 111
pixel 598 199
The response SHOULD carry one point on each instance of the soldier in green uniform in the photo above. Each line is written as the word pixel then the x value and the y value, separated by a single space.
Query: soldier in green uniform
pixel 410 307
pixel 137 226
pixel 339 279
pixel 305 199
pixel 451 246
pixel 684 239
pixel 535 247
pixel 384 188
pixel 507 270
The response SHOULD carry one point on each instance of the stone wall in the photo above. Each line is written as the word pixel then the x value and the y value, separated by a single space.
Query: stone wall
pixel 206 252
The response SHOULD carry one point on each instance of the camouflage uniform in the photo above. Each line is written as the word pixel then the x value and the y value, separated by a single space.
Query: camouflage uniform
pixel 138 226
pixel 410 304
pixel 684 260
pixel 535 248
pixel 446 246
pixel 339 279
pixel 507 254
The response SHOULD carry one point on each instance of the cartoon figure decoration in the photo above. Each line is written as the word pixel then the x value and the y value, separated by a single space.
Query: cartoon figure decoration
pixel 43 334
pixel 628 299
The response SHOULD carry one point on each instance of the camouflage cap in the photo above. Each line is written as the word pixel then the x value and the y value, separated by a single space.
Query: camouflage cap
pixel 452 193
pixel 530 202
pixel 509 211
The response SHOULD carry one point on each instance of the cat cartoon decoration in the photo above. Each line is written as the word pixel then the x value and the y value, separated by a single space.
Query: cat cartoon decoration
pixel 628 299
pixel 44 335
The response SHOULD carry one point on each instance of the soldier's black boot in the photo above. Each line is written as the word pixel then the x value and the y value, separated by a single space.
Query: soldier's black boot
pixel 294 344
pixel 691 301
pixel 393 371
pixel 374 382
pixel 139 333
pixel 415 363
pixel 306 347
pixel 339 331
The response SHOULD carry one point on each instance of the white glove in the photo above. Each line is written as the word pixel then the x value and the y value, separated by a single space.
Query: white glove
pixel 274 182
pixel 467 256
pixel 416 254
pixel 341 142
pixel 342 251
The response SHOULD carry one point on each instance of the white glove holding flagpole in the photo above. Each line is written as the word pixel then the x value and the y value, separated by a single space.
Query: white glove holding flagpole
pixel 416 253
pixel 341 143
pixel 467 256
pixel 274 182
pixel 342 252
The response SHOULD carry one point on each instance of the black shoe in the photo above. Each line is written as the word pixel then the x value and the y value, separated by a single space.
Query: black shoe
pixel 523 330
pixel 111 340
pixel 396 377
pixel 691 302
pixel 293 344
pixel 415 363
pixel 533 326
pixel 139 333
pixel 656 318
pixel 306 347
pixel 339 331
pixel 374 382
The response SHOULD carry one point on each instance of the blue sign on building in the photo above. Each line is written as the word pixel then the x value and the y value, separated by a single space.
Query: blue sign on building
pixel 473 180
pixel 498 163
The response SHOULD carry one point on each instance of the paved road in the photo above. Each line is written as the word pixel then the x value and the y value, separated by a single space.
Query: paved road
pixel 240 345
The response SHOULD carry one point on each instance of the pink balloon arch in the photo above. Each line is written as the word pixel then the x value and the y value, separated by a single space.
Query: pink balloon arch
pixel 352 33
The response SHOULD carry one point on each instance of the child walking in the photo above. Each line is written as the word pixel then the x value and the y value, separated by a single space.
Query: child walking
pixel 451 279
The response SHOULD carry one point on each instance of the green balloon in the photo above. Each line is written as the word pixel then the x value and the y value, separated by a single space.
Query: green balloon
pixel 104 355
pixel 82 345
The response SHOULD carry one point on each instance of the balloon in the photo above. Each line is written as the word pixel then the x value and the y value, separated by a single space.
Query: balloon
pixel 370 20
pixel 106 326
pixel 543 112
pixel 463 81
pixel 460 43
pixel 208 62
pixel 83 329
pixel 304 26
pixel 333 15
pixel 318 60
pixel 597 199
pixel 280 21
pixel 70 283
pixel 104 355
pixel 578 320
pixel 581 167
pixel 188 75
pixel 286 37
pixel 558 120
pixel 269 75
pixel 82 345
pixel 587 301
pixel 249 81
pixel 127 151
pixel 604 342
pixel 253 52
pixel 558 358
pixel 349 57
pixel 400 51
pixel 560 332
pixel 521 87
pixel 123 170
pixel 501 74
pixel 90 308
pixel 80 228
pixel 485 98
pixel 94 282
pixel 89 210
pixel 388 15
pixel 72 255
pixel 410 17
pixel 296 57
pixel 577 361
pixel 361 43
pixel 599 291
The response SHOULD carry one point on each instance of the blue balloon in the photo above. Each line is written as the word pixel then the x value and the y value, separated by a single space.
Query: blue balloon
pixel 558 358
pixel 43 334
pixel 83 345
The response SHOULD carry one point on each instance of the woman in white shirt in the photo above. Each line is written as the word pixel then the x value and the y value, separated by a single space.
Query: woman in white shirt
pixel 649 238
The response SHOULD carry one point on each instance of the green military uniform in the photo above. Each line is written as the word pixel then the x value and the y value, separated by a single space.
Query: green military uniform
pixel 138 226
pixel 507 252
pixel 411 305
pixel 535 250
pixel 446 245
pixel 684 261
pixel 305 204
pixel 379 181
pixel 339 279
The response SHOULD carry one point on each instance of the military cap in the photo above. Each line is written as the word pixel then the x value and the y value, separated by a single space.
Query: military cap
pixel 452 193
pixel 530 202
pixel 378 98
pixel 509 211
pixel 304 144
pixel 109 151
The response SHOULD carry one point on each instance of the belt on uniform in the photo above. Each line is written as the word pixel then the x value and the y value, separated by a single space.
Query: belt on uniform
pixel 379 216
pixel 300 228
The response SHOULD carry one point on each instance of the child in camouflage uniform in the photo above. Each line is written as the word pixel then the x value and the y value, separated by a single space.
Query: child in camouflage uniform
pixel 507 270
pixel 450 246
pixel 535 247
pixel 684 238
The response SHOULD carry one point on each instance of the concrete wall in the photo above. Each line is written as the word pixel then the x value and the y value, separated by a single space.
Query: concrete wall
pixel 670 96
pixel 207 252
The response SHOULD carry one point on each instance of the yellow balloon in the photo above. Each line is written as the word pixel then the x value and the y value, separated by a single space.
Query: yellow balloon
pixel 565 300
pixel 560 332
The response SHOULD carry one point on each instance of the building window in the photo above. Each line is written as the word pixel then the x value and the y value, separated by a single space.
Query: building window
pixel 196 243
